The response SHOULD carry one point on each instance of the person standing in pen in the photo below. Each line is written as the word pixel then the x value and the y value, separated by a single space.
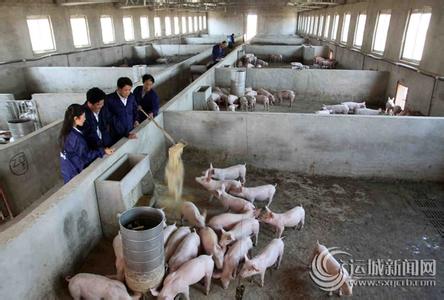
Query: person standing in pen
pixel 75 154
pixel 147 98
pixel 122 108
pixel 96 127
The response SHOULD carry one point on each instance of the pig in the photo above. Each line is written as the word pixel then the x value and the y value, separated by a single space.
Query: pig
pixel 175 240
pixel 244 228
pixel 352 106
pixel 409 112
pixel 191 213
pixel 168 231
pixel 212 185
pixel 286 95
pixel 259 193
pixel 120 261
pixel 368 111
pixel 211 246
pixel 225 91
pixel 270 255
pixel 248 89
pixel 188 274
pixel 243 103
pixel 234 256
pixel 264 100
pixel 215 97
pixel 261 63
pixel 232 99
pixel 230 173
pixel 337 108
pixel 268 94
pixel 232 107
pixel 277 58
pixel 223 100
pixel 251 102
pixel 228 220
pixel 234 204
pixel 292 218
pixel 212 105
pixel 217 90
pixel 390 105
pixel 251 93
pixel 323 112
pixel 249 66
pixel 331 267
pixel 91 287
pixel 187 249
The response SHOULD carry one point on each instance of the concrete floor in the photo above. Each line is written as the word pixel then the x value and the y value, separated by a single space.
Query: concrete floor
pixel 370 219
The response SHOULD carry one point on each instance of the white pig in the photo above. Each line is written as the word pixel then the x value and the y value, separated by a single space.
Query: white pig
pixel 212 105
pixel 337 108
pixel 211 246
pixel 215 97
pixel 248 89
pixel 244 228
pixel 251 93
pixel 212 185
pixel 232 107
pixel 120 261
pixel 323 112
pixel 231 99
pixel 167 232
pixel 243 103
pixel 187 249
pixel 234 256
pixel 286 95
pixel 259 193
pixel 261 63
pixel 368 111
pixel 291 218
pixel 352 106
pixel 188 274
pixel 332 267
pixel 175 240
pixel 268 94
pixel 92 287
pixel 264 100
pixel 191 213
pixel 230 173
pixel 234 204
pixel 251 102
pixel 270 255
pixel 228 220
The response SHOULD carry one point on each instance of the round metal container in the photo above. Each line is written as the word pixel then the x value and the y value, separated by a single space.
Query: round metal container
pixel 238 82
pixel 142 240
pixel 20 127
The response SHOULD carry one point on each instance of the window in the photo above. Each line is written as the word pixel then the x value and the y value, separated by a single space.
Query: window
pixel 321 24
pixel 176 25
pixel 315 29
pixel 334 29
pixel 251 26
pixel 79 29
pixel 157 27
pixel 144 27
pixel 196 25
pixel 190 24
pixel 401 95
pixel 40 32
pixel 108 36
pixel 205 22
pixel 382 26
pixel 416 34
pixel 184 24
pixel 345 27
pixel 128 28
pixel 359 33
pixel 167 26
pixel 200 22
pixel 327 26
pixel 310 24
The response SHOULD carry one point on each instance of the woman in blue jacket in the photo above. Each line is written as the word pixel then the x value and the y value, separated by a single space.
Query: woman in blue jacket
pixel 75 153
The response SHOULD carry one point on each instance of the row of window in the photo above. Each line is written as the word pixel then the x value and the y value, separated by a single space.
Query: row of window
pixel 42 36
pixel 414 35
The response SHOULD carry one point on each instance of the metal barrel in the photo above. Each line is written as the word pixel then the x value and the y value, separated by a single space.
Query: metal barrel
pixel 142 240
pixel 238 82
pixel 20 127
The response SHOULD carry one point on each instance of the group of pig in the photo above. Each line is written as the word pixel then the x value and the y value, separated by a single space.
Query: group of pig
pixel 249 60
pixel 223 97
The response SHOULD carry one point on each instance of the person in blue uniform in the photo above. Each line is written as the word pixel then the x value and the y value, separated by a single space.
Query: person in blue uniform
pixel 218 52
pixel 147 98
pixel 96 127
pixel 122 108
pixel 231 41
pixel 75 154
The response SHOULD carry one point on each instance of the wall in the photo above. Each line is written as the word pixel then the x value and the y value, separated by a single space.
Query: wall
pixel 289 53
pixel 421 78
pixel 378 146
pixel 51 107
pixel 316 85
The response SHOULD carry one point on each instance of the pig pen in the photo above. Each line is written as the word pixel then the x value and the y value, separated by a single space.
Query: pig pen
pixel 374 208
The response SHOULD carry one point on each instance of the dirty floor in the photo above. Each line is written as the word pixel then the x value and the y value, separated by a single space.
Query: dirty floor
pixel 370 219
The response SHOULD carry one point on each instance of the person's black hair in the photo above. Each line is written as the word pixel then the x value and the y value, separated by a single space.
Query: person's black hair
pixel 147 77
pixel 224 42
pixel 74 110
pixel 95 95
pixel 124 81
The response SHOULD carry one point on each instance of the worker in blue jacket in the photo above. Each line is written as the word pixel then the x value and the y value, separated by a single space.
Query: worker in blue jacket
pixel 147 98
pixel 218 53
pixel 122 108
pixel 75 153
pixel 96 127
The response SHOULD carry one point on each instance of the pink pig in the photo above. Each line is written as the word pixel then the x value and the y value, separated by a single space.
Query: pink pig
pixel 233 203
pixel 230 173
pixel 187 249
pixel 228 220
pixel 292 218
pixel 191 213
pixel 120 261
pixel 90 286
pixel 175 240
pixel 167 232
pixel 244 228
pixel 270 255
pixel 286 95
pixel 189 273
pixel 210 244
pixel 234 256
pixel 259 193
pixel 212 185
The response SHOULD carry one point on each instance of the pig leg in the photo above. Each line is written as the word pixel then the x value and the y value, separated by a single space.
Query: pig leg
pixel 263 278
pixel 256 237
pixel 186 293
pixel 270 199
pixel 280 230
pixel 120 266
pixel 279 260
pixel 207 283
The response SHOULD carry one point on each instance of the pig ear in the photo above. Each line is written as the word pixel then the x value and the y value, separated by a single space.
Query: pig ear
pixel 222 230
pixel 267 209
pixel 211 165
pixel 154 292
pixel 246 257
pixel 254 268
pixel 204 214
